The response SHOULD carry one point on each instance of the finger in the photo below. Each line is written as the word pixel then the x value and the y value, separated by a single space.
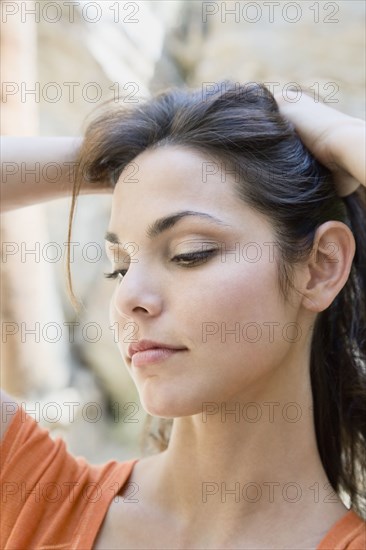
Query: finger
pixel 345 184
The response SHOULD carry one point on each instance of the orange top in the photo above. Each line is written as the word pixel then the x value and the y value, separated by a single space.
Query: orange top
pixel 51 499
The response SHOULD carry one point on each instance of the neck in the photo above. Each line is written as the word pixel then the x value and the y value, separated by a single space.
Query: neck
pixel 254 456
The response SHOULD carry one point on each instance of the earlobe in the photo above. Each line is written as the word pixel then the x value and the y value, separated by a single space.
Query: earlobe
pixel 329 265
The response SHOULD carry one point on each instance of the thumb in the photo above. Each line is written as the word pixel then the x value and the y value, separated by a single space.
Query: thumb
pixel 345 184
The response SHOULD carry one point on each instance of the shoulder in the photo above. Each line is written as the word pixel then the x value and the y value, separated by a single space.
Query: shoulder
pixel 348 533
pixel 134 506
pixel 44 484
pixel 9 408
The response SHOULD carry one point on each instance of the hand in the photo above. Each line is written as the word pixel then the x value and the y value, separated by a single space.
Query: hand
pixel 323 130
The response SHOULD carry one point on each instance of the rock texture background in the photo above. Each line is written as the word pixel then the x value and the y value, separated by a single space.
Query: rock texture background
pixel 151 46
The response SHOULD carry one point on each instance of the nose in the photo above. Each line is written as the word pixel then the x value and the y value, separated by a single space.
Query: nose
pixel 137 295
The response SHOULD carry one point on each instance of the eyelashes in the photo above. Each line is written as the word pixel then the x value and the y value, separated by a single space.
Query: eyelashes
pixel 115 274
pixel 189 259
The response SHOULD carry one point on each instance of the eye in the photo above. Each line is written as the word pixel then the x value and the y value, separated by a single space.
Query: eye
pixel 190 258
pixel 194 257
pixel 115 274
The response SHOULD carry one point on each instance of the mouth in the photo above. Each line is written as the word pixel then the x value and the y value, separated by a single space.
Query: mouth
pixel 145 345
pixel 154 355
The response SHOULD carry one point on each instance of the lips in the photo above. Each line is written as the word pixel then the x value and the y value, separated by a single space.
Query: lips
pixel 143 345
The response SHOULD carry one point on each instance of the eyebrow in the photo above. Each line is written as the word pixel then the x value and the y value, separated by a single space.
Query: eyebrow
pixel 164 224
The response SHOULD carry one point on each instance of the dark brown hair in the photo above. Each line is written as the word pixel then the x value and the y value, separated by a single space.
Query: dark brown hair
pixel 242 127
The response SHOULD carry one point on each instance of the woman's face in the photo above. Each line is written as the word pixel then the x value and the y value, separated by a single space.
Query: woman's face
pixel 226 309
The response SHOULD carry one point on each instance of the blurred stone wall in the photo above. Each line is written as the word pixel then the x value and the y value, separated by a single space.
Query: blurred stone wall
pixel 14 57
pixel 317 45
pixel 28 290
pixel 88 58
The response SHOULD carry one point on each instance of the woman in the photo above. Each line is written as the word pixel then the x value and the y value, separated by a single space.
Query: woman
pixel 237 250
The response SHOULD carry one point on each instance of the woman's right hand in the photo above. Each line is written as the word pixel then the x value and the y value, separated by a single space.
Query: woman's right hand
pixel 334 138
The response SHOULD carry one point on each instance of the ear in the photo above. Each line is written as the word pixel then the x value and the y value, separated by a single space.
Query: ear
pixel 329 266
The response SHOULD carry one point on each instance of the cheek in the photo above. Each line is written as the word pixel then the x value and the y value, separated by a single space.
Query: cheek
pixel 237 292
pixel 123 329
pixel 112 309
pixel 239 313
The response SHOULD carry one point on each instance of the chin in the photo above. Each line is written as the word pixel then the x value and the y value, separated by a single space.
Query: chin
pixel 162 410
pixel 167 405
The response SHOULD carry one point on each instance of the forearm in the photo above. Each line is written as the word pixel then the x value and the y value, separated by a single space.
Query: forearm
pixel 38 169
